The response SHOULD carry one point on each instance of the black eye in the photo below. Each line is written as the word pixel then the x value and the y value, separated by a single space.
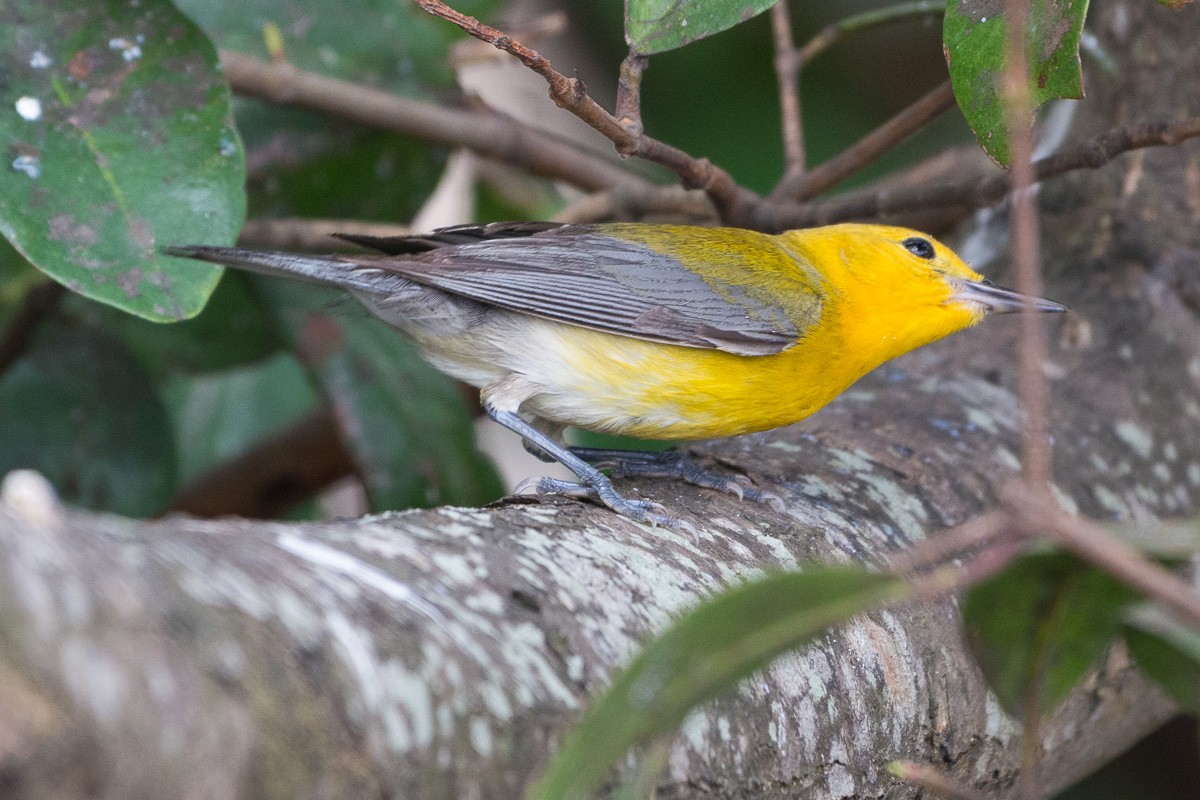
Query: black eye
pixel 921 248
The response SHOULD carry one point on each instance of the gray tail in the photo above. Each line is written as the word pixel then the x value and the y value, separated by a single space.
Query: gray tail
pixel 327 270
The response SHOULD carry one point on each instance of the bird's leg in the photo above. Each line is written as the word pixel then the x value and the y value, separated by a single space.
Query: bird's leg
pixel 592 482
pixel 676 465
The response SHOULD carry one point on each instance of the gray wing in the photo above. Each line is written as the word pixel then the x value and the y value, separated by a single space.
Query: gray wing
pixel 582 276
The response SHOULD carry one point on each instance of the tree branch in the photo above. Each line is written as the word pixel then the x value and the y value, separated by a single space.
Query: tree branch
pixel 637 204
pixel 629 93
pixel 1037 510
pixel 974 193
pixel 932 780
pixel 570 94
pixel 489 134
pixel 301 233
pixel 866 150
pixel 831 34
pixel 787 73
pixel 1025 249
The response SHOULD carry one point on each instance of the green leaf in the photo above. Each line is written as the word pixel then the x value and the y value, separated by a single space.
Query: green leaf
pixel 121 141
pixel 221 415
pixel 1168 652
pixel 704 653
pixel 653 26
pixel 407 425
pixel 1040 625
pixel 974 33
pixel 79 410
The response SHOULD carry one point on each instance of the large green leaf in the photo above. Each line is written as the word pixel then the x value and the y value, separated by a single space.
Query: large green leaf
pixel 1039 626
pixel 704 653
pixel 407 426
pixel 974 33
pixel 78 409
pixel 1168 652
pixel 117 127
pixel 652 26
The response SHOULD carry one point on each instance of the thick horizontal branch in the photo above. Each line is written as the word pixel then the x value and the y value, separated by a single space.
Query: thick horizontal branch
pixel 493 135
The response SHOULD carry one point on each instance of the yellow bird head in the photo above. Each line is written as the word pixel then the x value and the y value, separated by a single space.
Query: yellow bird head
pixel 899 288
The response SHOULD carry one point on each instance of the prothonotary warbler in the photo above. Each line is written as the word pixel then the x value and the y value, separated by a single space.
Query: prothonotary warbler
pixel 655 331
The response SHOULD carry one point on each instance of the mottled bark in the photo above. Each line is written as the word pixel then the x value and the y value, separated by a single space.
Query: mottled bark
pixel 444 653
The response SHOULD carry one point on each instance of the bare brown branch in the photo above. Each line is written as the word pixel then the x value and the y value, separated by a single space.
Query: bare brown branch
pixel 489 134
pixel 1026 244
pixel 733 201
pixel 940 547
pixel 629 92
pixel 635 204
pixel 973 193
pixel 787 73
pixel 1038 511
pixel 866 150
pixel 310 234
pixel 932 780
pixel 832 33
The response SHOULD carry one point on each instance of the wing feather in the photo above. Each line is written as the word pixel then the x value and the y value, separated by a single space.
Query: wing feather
pixel 593 277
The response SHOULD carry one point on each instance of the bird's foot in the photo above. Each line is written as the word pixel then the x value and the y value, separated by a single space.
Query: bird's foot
pixel 674 464
pixel 603 492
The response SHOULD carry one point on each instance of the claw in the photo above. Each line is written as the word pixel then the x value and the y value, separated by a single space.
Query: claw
pixel 647 511
pixel 673 464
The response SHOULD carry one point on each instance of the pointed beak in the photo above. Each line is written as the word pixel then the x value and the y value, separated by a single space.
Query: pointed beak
pixel 999 301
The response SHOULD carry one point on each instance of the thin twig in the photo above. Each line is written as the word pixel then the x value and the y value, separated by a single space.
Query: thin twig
pixel 634 204
pixel 38 305
pixel 294 233
pixel 570 94
pixel 629 92
pixel 489 134
pixel 976 192
pixel 1038 511
pixel 931 779
pixel 866 150
pixel 787 73
pixel 942 546
pixel 1024 234
pixel 1026 245
pixel 831 33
